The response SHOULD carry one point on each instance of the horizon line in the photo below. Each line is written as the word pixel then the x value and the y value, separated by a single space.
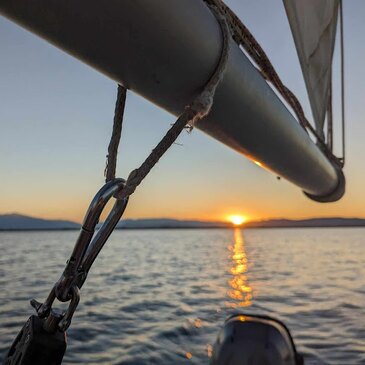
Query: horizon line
pixel 191 219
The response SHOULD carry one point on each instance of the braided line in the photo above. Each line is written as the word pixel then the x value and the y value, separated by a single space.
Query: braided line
pixel 111 162
pixel 198 109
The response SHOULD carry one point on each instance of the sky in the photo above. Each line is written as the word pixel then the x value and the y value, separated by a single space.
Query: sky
pixel 56 117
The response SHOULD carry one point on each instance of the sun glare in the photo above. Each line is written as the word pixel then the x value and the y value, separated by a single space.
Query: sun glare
pixel 237 220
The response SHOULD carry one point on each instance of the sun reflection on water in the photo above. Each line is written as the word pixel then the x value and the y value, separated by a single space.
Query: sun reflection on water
pixel 240 290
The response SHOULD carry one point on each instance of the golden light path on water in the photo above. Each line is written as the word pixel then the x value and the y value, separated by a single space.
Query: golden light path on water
pixel 240 290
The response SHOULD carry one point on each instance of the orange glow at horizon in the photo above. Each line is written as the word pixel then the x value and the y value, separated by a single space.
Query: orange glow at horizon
pixel 237 219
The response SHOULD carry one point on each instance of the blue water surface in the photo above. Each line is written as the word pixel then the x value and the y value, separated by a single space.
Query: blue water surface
pixel 161 296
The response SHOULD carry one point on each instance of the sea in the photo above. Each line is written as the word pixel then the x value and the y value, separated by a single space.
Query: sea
pixel 162 296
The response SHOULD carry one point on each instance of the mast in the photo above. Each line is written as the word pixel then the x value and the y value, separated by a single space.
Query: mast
pixel 166 50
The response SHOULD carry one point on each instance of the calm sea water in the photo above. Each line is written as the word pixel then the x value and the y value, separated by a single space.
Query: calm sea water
pixel 160 296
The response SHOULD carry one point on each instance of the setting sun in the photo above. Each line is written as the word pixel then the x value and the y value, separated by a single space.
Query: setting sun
pixel 237 220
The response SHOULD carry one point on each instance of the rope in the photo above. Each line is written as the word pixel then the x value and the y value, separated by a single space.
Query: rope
pixel 330 118
pixel 198 109
pixel 111 157
pixel 342 85
pixel 244 37
pixel 201 106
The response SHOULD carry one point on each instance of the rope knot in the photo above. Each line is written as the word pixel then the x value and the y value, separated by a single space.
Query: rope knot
pixel 200 107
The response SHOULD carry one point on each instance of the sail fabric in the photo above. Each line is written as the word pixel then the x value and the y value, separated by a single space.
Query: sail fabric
pixel 313 24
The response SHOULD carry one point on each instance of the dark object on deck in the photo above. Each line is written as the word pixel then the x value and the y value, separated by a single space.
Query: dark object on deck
pixel 35 346
pixel 255 340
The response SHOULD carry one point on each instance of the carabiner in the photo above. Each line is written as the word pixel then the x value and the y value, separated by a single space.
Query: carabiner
pixel 56 320
pixel 87 246
pixel 86 249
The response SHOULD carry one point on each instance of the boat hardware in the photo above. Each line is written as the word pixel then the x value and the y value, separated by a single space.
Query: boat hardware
pixel 86 249
pixel 247 116
pixel 63 321
pixel 36 345
pixel 255 339
pixel 89 244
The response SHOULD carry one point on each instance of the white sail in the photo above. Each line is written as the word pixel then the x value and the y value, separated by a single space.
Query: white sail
pixel 313 24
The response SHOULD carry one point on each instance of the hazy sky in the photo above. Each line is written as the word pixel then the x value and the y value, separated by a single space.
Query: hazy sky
pixel 56 117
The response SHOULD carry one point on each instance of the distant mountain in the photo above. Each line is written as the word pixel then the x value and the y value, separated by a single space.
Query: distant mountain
pixel 272 223
pixel 15 222
pixel 22 222
pixel 313 222
pixel 169 223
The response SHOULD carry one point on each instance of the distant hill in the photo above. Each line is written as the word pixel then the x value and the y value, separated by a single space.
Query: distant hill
pixel 14 222
pixel 313 222
pixel 169 223
pixel 21 222
pixel 272 223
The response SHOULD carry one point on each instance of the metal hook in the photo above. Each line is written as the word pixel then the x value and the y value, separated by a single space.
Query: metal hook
pixel 86 249
pixel 63 320
pixel 87 246
pixel 67 317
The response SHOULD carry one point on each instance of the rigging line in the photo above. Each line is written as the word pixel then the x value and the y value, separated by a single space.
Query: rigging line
pixel 244 37
pixel 111 157
pixel 342 84
pixel 330 117
pixel 198 109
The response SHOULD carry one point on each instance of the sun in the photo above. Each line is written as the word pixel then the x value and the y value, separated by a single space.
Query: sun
pixel 237 220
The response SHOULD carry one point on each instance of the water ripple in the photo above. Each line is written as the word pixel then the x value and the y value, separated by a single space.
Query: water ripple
pixel 160 297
